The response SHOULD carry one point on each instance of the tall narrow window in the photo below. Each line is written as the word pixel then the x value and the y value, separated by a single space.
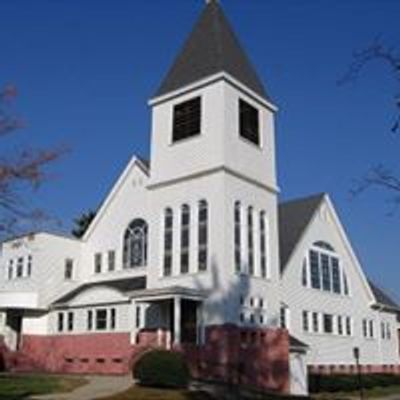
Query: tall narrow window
pixel 111 260
pixel 203 235
pixel 20 267
pixel 249 122
pixel 138 316
pixel 348 326
pixel 135 244
pixel 304 277
pixel 29 266
pixel 306 326
pixel 10 269
pixel 68 269
pixel 326 273
pixel 237 228
pixel 284 317
pixel 336 275
pixel 97 263
pixel 315 322
pixel 113 318
pixel 314 267
pixel 168 241
pixel 328 323
pixel 340 325
pixel 371 329
pixel 250 240
pixel 187 119
pixel 364 328
pixel 70 321
pixel 185 238
pixel 89 320
pixel 346 290
pixel 60 322
pixel 263 244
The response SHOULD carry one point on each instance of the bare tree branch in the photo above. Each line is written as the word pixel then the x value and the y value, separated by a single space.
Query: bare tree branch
pixel 377 51
pixel 24 170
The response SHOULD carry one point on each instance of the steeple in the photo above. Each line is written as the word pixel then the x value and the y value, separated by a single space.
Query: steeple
pixel 212 47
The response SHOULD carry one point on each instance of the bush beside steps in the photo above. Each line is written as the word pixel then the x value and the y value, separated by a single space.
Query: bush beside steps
pixel 162 369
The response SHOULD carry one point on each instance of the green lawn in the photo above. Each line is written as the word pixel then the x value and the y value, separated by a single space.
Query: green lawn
pixel 377 392
pixel 142 393
pixel 22 386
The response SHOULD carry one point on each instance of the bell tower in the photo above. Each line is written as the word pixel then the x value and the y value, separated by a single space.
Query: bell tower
pixel 212 111
pixel 213 153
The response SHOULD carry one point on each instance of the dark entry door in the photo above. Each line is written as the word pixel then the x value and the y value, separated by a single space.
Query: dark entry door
pixel 189 321
pixel 14 321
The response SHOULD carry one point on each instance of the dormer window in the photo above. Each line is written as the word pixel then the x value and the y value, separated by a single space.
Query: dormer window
pixel 187 119
pixel 249 126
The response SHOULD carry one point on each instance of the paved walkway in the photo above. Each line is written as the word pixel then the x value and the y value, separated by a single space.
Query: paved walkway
pixel 98 386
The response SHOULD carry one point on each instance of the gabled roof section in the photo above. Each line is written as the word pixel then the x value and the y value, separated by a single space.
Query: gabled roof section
pixel 212 47
pixel 294 217
pixel 124 286
pixel 144 166
pixel 382 298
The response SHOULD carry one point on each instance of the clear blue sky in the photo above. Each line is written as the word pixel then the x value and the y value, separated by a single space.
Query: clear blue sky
pixel 85 70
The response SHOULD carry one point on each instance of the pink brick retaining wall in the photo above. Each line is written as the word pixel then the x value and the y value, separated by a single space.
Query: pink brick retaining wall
pixel 257 357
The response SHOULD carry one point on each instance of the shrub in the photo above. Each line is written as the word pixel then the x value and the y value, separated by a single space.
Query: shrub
pixel 349 383
pixel 161 368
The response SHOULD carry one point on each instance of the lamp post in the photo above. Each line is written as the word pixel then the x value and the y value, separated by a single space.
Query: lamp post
pixel 356 353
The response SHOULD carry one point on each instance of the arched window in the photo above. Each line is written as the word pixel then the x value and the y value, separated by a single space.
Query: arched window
pixel 185 238
pixel 237 239
pixel 263 244
pixel 135 244
pixel 324 245
pixel 250 240
pixel 203 235
pixel 325 270
pixel 168 241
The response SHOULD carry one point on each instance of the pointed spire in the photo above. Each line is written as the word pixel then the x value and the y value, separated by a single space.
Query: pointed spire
pixel 212 47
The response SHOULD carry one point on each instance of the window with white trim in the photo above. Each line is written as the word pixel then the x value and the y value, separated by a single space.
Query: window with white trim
pixel 263 245
pixel 168 241
pixel 186 119
pixel 111 260
pixel 250 240
pixel 135 244
pixel 69 269
pixel 237 237
pixel 324 270
pixel 185 238
pixel 203 235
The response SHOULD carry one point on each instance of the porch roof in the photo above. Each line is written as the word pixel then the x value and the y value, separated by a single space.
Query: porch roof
pixel 167 293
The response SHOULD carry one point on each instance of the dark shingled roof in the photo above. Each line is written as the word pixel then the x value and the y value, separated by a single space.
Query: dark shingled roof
pixel 383 298
pixel 123 285
pixel 294 216
pixel 294 342
pixel 212 47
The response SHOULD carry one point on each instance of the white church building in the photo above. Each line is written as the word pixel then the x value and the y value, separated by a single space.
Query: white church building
pixel 193 251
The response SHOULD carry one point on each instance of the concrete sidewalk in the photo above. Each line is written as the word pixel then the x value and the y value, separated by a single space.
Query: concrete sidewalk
pixel 98 386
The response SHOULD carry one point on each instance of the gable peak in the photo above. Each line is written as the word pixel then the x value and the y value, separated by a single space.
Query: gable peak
pixel 212 47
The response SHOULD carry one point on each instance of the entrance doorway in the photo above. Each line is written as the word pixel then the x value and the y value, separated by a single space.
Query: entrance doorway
pixel 189 321
pixel 14 324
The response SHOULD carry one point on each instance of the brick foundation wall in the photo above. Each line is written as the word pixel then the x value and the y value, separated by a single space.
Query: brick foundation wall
pixel 256 357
